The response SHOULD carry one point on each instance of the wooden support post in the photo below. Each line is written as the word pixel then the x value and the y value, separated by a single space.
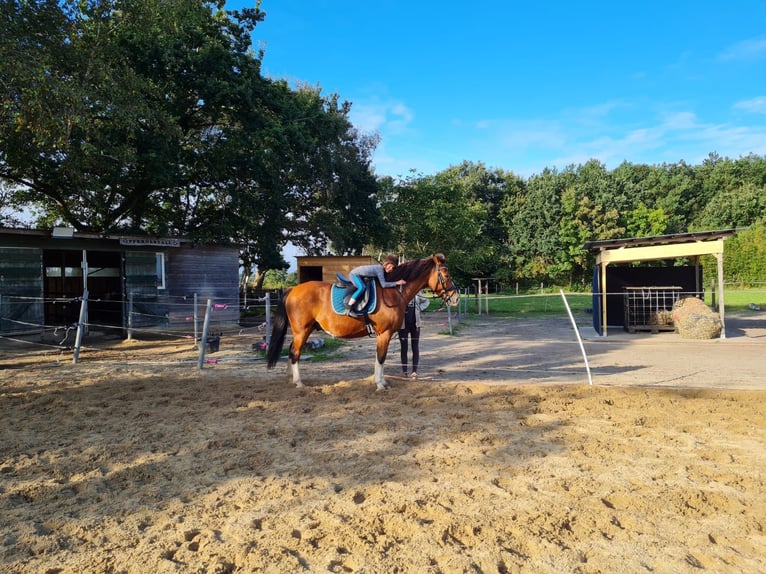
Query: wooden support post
pixel 721 302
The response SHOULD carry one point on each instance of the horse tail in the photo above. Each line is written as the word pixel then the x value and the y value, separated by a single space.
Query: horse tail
pixel 278 332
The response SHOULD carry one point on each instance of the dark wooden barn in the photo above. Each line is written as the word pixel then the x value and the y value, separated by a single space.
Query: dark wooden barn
pixel 44 274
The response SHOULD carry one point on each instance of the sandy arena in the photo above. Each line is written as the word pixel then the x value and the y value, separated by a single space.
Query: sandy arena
pixel 501 458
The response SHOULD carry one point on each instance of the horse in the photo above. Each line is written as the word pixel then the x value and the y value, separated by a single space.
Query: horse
pixel 308 306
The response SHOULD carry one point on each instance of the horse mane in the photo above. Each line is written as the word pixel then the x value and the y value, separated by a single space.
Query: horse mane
pixel 415 268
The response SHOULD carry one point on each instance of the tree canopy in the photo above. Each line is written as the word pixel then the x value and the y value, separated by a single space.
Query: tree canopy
pixel 152 116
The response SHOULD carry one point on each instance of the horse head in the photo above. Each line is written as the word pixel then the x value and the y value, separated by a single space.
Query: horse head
pixel 440 281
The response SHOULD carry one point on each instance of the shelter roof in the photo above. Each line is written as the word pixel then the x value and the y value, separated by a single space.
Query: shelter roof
pixel 674 239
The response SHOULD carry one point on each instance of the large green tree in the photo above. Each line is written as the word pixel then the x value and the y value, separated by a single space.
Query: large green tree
pixel 153 116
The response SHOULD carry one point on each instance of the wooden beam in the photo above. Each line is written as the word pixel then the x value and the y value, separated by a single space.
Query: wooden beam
pixel 603 299
pixel 655 252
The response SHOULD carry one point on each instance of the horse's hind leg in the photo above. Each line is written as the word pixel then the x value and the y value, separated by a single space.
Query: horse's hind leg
pixel 296 376
pixel 294 359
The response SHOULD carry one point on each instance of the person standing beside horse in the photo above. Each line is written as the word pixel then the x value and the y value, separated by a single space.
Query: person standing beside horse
pixel 410 333
pixel 377 270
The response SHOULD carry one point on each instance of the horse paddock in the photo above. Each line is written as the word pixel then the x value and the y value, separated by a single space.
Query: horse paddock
pixel 500 458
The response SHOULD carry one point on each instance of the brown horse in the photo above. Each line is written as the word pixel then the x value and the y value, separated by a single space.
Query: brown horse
pixel 309 306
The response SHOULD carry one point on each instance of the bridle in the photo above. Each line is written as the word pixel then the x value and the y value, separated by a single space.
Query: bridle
pixel 442 290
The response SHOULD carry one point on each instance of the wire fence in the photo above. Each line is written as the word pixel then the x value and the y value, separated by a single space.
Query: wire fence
pixel 194 332
pixel 92 325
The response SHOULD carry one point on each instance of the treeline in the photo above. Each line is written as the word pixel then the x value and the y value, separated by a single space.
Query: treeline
pixel 496 224
pixel 153 117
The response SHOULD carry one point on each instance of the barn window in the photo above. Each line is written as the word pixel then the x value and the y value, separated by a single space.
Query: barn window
pixel 160 270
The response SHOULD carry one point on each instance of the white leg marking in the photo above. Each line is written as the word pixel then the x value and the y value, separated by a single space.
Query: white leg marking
pixel 296 375
pixel 380 381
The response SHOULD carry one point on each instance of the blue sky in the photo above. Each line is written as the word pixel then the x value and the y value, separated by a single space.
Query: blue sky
pixel 523 86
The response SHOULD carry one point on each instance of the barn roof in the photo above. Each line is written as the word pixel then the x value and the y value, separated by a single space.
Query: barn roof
pixel 673 239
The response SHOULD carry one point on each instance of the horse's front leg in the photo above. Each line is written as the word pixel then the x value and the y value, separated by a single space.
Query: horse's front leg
pixel 380 358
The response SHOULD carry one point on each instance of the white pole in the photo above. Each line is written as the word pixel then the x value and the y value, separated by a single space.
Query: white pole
pixel 577 332
pixel 81 325
pixel 195 315
pixel 205 327
pixel 267 297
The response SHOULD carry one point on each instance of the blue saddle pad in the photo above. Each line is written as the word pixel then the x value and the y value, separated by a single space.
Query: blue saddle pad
pixel 338 294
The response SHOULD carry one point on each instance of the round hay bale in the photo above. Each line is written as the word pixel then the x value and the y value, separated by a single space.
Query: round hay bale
pixel 695 320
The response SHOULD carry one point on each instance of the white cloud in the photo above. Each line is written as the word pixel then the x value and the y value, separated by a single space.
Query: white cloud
pixel 745 50
pixel 679 121
pixel 755 105
pixel 610 132
pixel 380 116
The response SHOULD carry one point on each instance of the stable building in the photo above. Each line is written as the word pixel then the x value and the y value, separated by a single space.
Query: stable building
pixel 45 273
pixel 326 267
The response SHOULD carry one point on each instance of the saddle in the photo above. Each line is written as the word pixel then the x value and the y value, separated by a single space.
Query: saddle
pixel 342 290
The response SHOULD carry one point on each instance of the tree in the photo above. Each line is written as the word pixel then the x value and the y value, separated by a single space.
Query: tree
pixel 532 221
pixel 581 221
pixel 443 213
pixel 152 116
pixel 738 206
pixel 109 106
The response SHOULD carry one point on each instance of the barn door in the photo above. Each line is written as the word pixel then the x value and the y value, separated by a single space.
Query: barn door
pixel 141 287
pixel 21 289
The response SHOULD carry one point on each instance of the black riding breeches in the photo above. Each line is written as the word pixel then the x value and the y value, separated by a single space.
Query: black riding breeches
pixel 413 333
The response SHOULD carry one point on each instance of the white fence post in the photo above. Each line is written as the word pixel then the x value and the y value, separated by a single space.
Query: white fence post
pixel 80 326
pixel 205 327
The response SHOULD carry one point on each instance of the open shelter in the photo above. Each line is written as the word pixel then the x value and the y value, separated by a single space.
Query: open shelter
pixel 656 248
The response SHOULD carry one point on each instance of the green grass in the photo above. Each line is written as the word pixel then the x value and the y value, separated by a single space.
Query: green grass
pixel 528 305
pixel 326 352
pixel 551 304
pixel 739 299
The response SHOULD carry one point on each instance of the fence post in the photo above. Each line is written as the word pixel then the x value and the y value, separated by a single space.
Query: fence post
pixel 80 326
pixel 478 298
pixel 467 299
pixel 130 316
pixel 203 341
pixel 267 298
pixel 195 315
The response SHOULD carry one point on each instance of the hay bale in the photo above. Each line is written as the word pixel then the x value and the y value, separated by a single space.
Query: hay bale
pixel 661 317
pixel 695 320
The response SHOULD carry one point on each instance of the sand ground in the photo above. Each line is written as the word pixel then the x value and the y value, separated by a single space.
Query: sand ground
pixel 501 458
